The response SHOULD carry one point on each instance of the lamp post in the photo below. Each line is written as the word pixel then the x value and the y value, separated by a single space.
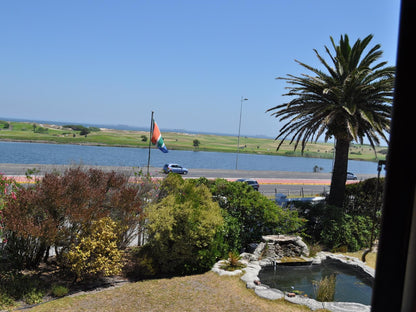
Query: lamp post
pixel 239 127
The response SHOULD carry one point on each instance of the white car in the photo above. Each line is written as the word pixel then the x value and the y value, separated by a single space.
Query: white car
pixel 351 176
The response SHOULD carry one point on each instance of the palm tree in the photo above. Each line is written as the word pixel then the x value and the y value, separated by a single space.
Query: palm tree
pixel 350 101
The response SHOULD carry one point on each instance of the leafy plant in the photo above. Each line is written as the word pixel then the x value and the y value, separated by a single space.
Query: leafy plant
pixel 34 296
pixel 325 288
pixel 95 253
pixel 249 214
pixel 55 210
pixel 59 290
pixel 16 286
pixel 233 262
pixel 182 227
pixel 5 300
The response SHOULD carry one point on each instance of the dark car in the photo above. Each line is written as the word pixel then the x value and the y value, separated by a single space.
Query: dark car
pixel 253 183
pixel 174 168
pixel 351 176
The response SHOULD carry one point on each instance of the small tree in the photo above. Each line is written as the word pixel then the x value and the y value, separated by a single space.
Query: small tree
pixel 144 138
pixel 196 143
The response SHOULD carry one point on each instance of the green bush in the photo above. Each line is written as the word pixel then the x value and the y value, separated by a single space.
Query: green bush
pixel 350 231
pixel 348 227
pixel 59 290
pixel 33 296
pixel 248 214
pixel 5 300
pixel 15 286
pixel 182 227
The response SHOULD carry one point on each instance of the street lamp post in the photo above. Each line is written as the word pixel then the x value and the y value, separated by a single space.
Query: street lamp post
pixel 239 128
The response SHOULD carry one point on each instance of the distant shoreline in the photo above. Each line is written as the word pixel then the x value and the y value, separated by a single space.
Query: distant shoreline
pixel 58 134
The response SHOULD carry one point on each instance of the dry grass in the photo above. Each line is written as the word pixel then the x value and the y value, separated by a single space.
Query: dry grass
pixel 206 292
pixel 371 257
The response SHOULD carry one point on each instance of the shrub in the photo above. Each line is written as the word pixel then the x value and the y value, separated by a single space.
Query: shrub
pixel 59 290
pixel 16 286
pixel 33 296
pixel 182 227
pixel 348 227
pixel 233 262
pixel 347 232
pixel 53 211
pixel 249 214
pixel 5 300
pixel 95 253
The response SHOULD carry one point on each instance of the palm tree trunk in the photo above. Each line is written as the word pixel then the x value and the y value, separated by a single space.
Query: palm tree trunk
pixel 339 173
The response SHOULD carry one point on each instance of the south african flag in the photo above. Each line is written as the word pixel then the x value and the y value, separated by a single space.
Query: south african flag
pixel 157 138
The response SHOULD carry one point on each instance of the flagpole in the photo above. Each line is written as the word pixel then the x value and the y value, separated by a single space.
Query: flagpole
pixel 150 142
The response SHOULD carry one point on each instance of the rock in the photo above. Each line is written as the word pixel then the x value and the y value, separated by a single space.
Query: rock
pixel 269 293
pixel 279 246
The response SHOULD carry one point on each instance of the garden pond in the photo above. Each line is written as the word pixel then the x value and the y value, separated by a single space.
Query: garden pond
pixel 351 285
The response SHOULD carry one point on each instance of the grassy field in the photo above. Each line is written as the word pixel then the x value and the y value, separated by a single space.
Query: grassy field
pixel 23 131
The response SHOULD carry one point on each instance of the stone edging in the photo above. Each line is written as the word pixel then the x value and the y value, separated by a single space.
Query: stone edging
pixel 254 266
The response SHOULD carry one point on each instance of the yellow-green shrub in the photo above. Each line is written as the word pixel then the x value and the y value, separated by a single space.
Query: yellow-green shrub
pixel 182 227
pixel 96 252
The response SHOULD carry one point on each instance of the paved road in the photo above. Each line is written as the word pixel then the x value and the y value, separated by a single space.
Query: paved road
pixel 270 181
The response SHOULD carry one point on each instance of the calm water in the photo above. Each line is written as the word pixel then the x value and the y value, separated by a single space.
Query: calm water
pixel 349 286
pixel 59 154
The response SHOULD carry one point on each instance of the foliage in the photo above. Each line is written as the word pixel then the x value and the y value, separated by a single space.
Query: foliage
pixel 363 198
pixel 325 288
pixel 144 138
pixel 40 129
pixel 5 300
pixel 353 232
pixel 196 143
pixel 249 214
pixel 181 227
pixel 54 211
pixel 348 227
pixel 8 188
pixel 233 262
pixel 350 101
pixel 4 124
pixel 95 251
pixel 17 286
pixel 59 290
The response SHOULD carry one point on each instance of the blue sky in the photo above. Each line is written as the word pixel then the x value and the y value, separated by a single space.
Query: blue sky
pixel 189 61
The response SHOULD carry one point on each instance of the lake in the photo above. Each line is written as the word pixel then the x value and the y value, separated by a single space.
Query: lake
pixel 64 154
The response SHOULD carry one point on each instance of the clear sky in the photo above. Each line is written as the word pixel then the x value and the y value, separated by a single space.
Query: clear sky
pixel 190 61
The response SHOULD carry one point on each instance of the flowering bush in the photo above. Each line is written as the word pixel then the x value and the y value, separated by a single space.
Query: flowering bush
pixel 95 253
